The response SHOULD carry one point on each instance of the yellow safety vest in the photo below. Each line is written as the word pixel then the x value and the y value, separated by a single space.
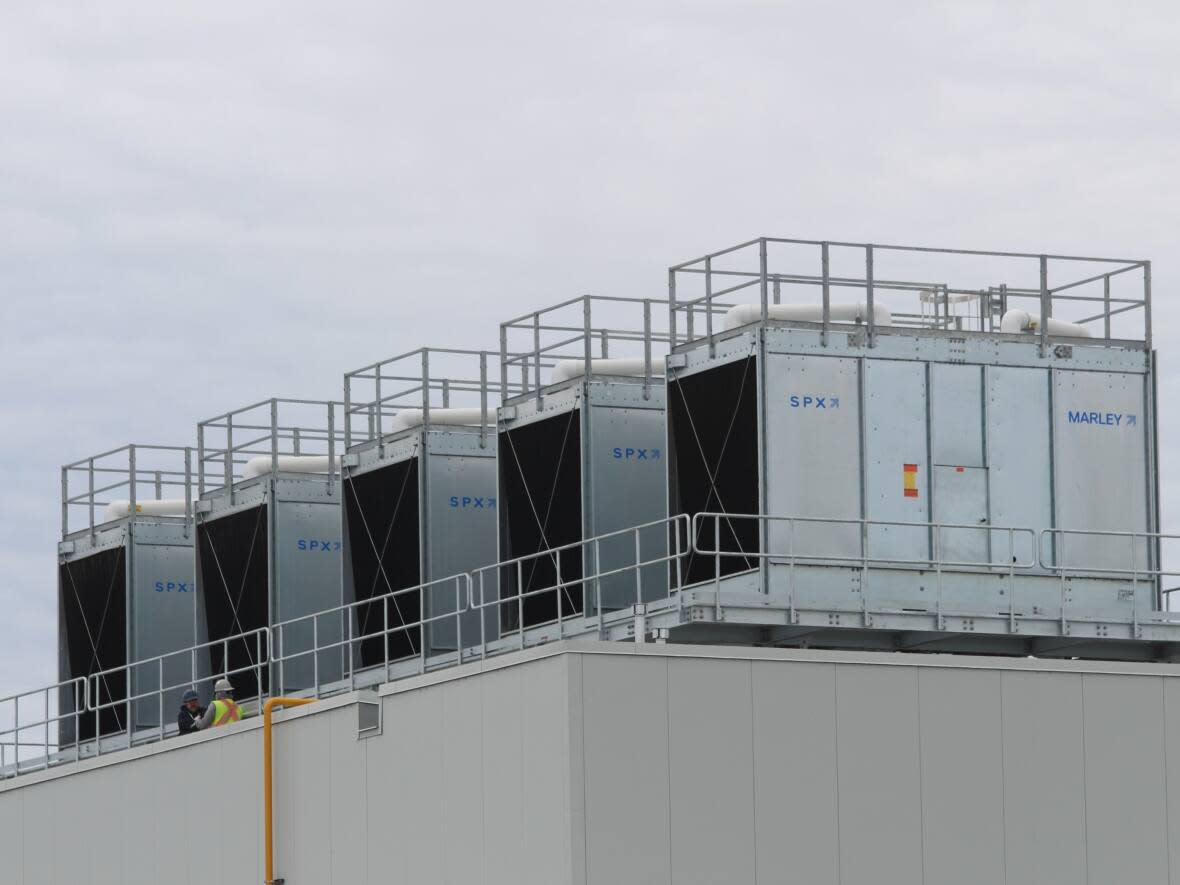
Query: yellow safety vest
pixel 225 712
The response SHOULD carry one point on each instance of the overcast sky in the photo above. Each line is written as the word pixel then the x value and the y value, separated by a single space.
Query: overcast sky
pixel 199 209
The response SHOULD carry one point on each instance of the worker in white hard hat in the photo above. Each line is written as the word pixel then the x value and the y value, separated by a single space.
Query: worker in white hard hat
pixel 224 708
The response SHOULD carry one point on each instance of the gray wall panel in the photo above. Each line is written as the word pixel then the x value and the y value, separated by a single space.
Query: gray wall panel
pixel 420 804
pixel 794 756
pixel 625 739
pixel 241 820
pixel 1018 446
pixel 956 415
pixel 545 748
pixel 1172 784
pixel 962 756
pixel 462 784
pixel 503 766
pixel 12 835
pixel 385 855
pixel 879 790
pixel 1126 809
pixel 710 757
pixel 346 809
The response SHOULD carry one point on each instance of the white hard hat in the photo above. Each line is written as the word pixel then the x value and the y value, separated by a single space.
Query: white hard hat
pixel 222 685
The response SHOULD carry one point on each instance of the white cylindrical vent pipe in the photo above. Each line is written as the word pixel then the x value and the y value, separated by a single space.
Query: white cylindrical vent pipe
pixel 845 312
pixel 169 507
pixel 260 464
pixel 468 417
pixel 629 366
pixel 1017 321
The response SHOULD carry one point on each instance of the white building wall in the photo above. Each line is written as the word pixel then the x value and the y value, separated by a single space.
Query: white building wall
pixel 604 764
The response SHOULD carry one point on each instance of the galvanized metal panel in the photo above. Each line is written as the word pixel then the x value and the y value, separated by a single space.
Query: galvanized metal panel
pixel 1019 466
pixel 625 728
pixel 709 738
pixel 1126 804
pixel 794 756
pixel 896 435
pixel 1044 779
pixel 880 800
pixel 628 487
pixel 460 524
pixel 813 452
pixel 956 414
pixel 960 499
pixel 962 756
pixel 306 545
pixel 1101 475
pixel 163 619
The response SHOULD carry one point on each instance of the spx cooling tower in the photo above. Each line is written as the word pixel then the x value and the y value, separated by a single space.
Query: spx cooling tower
pixel 983 449
pixel 126 588
pixel 420 501
pixel 581 455
pixel 268 533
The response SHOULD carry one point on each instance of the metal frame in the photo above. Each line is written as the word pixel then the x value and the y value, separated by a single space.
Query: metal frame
pixel 583 328
pixel 427 378
pixel 767 265
pixel 124 469
pixel 271 427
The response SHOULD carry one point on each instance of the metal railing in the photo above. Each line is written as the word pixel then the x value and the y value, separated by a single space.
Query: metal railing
pixel 350 620
pixel 649 556
pixel 428 378
pixel 271 428
pixel 98 696
pixel 585 558
pixel 580 330
pixel 134 473
pixel 957 290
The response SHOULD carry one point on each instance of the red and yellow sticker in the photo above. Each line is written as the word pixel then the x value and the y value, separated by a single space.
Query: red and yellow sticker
pixel 909 473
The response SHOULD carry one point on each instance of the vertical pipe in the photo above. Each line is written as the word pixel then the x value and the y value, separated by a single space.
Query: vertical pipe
pixel 296 441
pixel 1106 307
pixel 65 502
pixel 200 460
pixel 268 777
pixel 1046 305
pixel 228 460
pixel 188 490
pixel 646 349
pixel 347 412
pixel 425 388
pixel 672 309
pixel 375 414
pixel 503 361
pixel 446 393
pixel 1147 304
pixel 869 296
pixel 604 343
pixel 159 486
pixel 827 294
pixel 131 476
pixel 778 290
pixel 274 436
pixel 483 399
pixel 90 496
pixel 586 333
pixel 331 449
pixel 709 304
pixel 762 291
pixel 537 356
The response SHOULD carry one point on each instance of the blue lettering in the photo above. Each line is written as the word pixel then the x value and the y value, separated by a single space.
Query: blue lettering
pixel 159 586
pixel 794 401
pixel 618 453
pixel 302 544
pixel 454 500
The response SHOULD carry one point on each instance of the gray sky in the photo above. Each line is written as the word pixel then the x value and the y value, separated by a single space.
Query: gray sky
pixel 199 209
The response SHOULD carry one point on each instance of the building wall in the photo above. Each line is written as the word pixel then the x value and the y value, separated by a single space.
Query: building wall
pixel 606 764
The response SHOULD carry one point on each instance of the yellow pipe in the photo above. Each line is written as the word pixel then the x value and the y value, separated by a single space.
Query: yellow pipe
pixel 267 778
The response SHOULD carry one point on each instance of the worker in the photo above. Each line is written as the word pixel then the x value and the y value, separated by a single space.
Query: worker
pixel 224 709
pixel 190 713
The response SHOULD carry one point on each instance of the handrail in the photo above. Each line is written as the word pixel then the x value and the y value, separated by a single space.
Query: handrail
pixel 80 705
pixel 1132 568
pixel 935 529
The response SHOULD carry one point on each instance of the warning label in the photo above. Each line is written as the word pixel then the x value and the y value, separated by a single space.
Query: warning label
pixel 909 478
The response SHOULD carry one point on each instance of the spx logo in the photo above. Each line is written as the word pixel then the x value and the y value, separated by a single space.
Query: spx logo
pixel 635 454
pixel 811 401
pixel 318 545
pixel 176 587
pixel 1104 419
pixel 472 502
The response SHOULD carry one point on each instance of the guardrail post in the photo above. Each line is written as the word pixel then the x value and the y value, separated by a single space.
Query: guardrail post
pixel 1046 306
pixel 717 561
pixel 869 297
pixel 827 294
